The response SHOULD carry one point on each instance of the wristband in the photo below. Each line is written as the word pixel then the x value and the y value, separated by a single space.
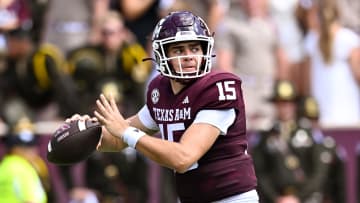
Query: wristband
pixel 131 136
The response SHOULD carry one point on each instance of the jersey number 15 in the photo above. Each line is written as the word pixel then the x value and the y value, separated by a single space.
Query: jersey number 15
pixel 226 90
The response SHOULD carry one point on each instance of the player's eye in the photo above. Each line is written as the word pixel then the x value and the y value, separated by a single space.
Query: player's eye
pixel 195 49
pixel 178 51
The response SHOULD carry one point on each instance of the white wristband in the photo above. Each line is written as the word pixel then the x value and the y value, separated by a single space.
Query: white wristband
pixel 131 136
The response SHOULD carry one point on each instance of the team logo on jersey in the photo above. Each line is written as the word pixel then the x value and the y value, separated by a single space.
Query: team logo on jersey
pixel 155 95
pixel 186 100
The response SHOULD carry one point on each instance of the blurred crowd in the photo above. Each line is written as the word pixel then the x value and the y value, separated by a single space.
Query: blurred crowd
pixel 299 61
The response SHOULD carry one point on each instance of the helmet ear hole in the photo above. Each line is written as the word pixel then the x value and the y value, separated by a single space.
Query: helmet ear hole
pixel 204 46
pixel 166 48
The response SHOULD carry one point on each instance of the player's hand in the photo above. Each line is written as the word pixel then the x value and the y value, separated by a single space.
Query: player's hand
pixel 109 115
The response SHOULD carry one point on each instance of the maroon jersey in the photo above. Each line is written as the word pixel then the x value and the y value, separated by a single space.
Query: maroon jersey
pixel 226 169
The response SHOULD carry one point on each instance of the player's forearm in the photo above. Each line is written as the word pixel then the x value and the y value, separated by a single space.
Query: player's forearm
pixel 109 143
pixel 169 154
pixel 134 121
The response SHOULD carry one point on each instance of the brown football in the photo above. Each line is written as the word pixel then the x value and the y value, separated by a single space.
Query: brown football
pixel 73 142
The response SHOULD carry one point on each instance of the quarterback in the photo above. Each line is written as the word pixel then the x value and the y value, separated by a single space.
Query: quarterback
pixel 199 112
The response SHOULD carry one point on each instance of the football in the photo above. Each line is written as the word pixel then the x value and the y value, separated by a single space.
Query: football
pixel 73 142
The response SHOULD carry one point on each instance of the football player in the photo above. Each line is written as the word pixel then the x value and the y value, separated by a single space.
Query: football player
pixel 199 112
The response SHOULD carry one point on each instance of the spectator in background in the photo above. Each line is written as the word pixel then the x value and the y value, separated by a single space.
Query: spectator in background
pixel 212 11
pixel 23 174
pixel 33 76
pixel 350 14
pixel 306 17
pixel 68 23
pixel 333 74
pixel 289 161
pixel 113 67
pixel 283 14
pixel 248 46
pixel 140 16
pixel 308 118
pixel 115 63
pixel 38 11
pixel 19 48
pixel 13 14
pixel 99 9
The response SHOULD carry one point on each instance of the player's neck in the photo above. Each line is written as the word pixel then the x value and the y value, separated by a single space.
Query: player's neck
pixel 176 86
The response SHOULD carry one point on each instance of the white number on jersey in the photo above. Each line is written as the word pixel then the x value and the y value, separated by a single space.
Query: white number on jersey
pixel 226 90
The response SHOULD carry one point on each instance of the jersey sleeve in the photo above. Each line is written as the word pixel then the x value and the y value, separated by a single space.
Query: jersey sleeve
pixel 222 119
pixel 146 119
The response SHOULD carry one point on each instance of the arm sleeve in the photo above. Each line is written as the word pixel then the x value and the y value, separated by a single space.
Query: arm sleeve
pixel 222 119
pixel 146 119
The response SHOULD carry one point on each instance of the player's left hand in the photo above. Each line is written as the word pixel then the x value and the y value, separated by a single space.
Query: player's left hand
pixel 109 116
